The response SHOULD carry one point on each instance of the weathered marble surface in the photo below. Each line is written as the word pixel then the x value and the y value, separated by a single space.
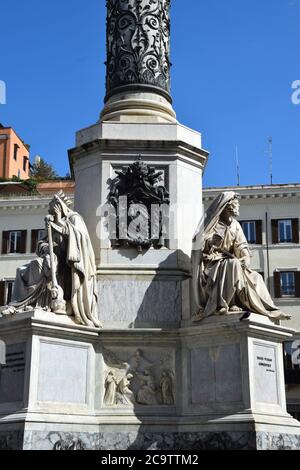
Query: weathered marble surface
pixel 141 303
pixel 223 350
pixel 161 441
pixel 216 374
pixel 69 382
pixel 268 441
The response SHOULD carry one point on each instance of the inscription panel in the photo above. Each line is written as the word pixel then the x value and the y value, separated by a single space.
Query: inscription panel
pixel 216 374
pixel 265 370
pixel 63 370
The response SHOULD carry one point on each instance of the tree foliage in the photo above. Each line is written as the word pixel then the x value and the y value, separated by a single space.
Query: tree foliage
pixel 43 171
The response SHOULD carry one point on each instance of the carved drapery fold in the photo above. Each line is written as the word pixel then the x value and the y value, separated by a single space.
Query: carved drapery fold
pixel 138 46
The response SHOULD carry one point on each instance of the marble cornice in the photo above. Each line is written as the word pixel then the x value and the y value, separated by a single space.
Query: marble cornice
pixel 166 149
pixel 25 204
pixel 261 196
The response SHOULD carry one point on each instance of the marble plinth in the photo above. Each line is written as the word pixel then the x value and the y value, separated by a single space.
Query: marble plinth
pixel 227 387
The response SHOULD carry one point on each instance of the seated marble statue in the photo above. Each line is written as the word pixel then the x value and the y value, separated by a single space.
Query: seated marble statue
pixel 32 287
pixel 65 267
pixel 223 282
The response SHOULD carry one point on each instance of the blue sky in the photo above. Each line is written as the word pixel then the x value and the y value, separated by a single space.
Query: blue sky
pixel 233 65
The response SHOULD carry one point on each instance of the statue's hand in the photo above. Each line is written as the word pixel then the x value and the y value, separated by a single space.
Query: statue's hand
pixel 54 293
pixel 245 262
pixel 48 220
pixel 58 212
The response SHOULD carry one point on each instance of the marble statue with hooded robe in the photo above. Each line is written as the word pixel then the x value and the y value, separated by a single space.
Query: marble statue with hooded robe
pixel 223 282
pixel 76 261
pixel 72 264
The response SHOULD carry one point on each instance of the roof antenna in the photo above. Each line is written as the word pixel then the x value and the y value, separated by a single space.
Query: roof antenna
pixel 237 165
pixel 271 158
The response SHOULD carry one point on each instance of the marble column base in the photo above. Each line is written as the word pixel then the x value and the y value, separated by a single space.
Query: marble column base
pixel 226 389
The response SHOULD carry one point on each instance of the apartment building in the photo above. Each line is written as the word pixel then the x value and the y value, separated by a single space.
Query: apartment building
pixel 14 155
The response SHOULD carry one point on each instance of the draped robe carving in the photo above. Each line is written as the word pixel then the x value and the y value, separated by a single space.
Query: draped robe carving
pixel 223 282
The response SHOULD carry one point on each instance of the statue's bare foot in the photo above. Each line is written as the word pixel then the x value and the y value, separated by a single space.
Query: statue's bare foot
pixel 198 316
pixel 235 309
pixel 223 311
pixel 8 312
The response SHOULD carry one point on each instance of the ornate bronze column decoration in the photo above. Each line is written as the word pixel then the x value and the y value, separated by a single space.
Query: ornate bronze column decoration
pixel 138 47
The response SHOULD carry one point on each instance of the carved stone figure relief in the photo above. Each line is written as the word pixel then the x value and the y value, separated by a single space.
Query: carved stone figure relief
pixel 125 395
pixel 110 389
pixel 138 380
pixel 167 387
pixel 147 392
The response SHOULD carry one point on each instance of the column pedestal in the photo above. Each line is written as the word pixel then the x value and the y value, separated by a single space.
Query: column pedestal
pixel 152 288
pixel 228 386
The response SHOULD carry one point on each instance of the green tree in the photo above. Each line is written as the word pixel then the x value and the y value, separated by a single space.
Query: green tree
pixel 41 170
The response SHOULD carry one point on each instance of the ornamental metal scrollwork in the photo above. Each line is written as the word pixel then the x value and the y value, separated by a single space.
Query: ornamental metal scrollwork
pixel 140 207
pixel 138 44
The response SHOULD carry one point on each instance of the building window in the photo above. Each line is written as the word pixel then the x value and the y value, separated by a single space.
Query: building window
pixel 6 291
pixel 16 148
pixel 41 234
pixel 285 231
pixel 249 229
pixel 288 284
pixel 36 236
pixel 253 231
pixel 24 163
pixel 292 355
pixel 14 241
pixel 9 286
pixel 292 363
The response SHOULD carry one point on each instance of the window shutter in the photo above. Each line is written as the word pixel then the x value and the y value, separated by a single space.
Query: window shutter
pixel 23 241
pixel 297 282
pixel 5 237
pixel 258 232
pixel 277 285
pixel 275 238
pixel 2 292
pixel 295 226
pixel 34 239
